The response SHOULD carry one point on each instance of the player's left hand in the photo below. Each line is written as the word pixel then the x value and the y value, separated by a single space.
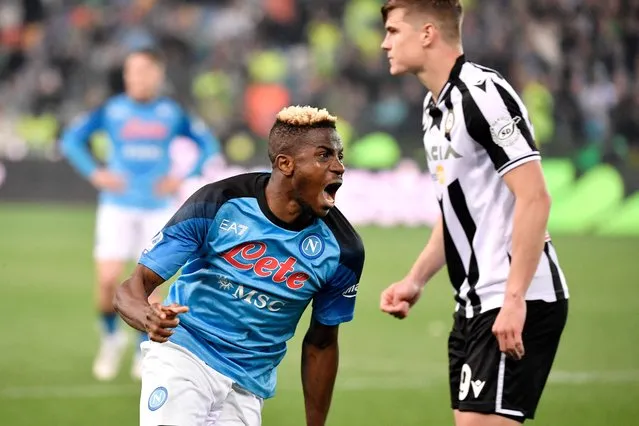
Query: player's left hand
pixel 169 185
pixel 400 297
pixel 509 326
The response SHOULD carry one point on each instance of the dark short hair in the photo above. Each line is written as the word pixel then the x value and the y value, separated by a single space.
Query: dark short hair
pixel 150 52
pixel 449 12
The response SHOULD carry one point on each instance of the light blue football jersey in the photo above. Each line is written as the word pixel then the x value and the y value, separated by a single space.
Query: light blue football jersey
pixel 140 135
pixel 247 277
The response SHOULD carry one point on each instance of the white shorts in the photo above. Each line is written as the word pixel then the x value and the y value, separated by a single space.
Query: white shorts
pixel 121 233
pixel 179 389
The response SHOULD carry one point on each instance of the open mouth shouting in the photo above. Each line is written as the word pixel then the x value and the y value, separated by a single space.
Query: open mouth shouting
pixel 330 190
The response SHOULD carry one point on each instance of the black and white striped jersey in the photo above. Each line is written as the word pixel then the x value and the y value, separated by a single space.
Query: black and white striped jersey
pixel 478 131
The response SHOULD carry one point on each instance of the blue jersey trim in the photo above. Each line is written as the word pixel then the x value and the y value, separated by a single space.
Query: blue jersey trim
pixel 332 321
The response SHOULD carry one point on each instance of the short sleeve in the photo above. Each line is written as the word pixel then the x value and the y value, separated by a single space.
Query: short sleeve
pixel 335 302
pixel 497 119
pixel 183 236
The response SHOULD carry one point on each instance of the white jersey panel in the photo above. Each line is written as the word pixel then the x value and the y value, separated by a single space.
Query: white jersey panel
pixel 478 131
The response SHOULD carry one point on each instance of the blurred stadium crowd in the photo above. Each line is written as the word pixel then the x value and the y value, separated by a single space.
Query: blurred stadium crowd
pixel 237 62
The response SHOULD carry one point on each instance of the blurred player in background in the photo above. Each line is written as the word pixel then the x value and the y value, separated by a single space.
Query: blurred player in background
pixel 136 190
pixel 256 248
pixel 512 299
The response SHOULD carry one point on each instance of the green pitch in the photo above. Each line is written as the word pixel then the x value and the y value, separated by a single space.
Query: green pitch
pixel 391 372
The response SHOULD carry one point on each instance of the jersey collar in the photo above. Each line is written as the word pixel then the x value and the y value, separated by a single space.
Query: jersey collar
pixel 459 63
pixel 454 75
pixel 296 226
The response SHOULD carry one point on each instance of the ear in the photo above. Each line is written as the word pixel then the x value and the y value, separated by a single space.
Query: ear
pixel 427 34
pixel 285 164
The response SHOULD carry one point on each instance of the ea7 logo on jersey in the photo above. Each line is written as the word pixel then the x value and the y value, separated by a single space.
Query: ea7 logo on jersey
pixel 312 246
pixel 505 131
pixel 236 228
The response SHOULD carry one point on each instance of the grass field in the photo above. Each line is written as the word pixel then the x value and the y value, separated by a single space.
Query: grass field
pixel 391 372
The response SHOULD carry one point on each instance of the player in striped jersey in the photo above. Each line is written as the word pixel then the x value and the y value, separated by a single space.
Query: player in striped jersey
pixel 510 291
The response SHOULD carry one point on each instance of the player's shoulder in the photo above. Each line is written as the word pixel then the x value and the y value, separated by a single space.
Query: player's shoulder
pixel 116 107
pixel 206 201
pixel 167 102
pixel 351 246
pixel 341 227
pixel 485 89
pixel 479 80
pixel 168 108
pixel 246 185
pixel 115 100
pixel 472 73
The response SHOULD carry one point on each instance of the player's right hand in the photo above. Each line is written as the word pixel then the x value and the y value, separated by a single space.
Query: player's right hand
pixel 399 297
pixel 106 180
pixel 160 320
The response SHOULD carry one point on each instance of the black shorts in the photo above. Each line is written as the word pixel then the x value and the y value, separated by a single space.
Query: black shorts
pixel 484 380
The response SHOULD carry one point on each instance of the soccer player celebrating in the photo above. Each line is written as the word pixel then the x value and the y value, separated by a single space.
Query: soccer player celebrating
pixel 510 291
pixel 136 190
pixel 255 250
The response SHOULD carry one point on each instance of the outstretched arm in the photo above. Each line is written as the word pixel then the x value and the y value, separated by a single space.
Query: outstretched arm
pixel 320 355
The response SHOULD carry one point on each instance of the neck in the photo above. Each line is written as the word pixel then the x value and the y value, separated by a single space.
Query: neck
pixel 435 75
pixel 281 202
pixel 144 100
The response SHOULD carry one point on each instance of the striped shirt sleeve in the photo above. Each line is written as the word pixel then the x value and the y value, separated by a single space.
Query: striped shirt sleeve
pixel 497 119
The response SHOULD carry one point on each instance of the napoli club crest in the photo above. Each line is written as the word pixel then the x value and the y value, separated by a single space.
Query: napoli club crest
pixel 312 246
pixel 158 398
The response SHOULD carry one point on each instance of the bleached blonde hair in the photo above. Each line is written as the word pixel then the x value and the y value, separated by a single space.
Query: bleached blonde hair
pixel 300 116
pixel 292 125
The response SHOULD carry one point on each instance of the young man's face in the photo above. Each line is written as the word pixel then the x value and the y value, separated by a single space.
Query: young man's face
pixel 403 43
pixel 143 77
pixel 318 170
